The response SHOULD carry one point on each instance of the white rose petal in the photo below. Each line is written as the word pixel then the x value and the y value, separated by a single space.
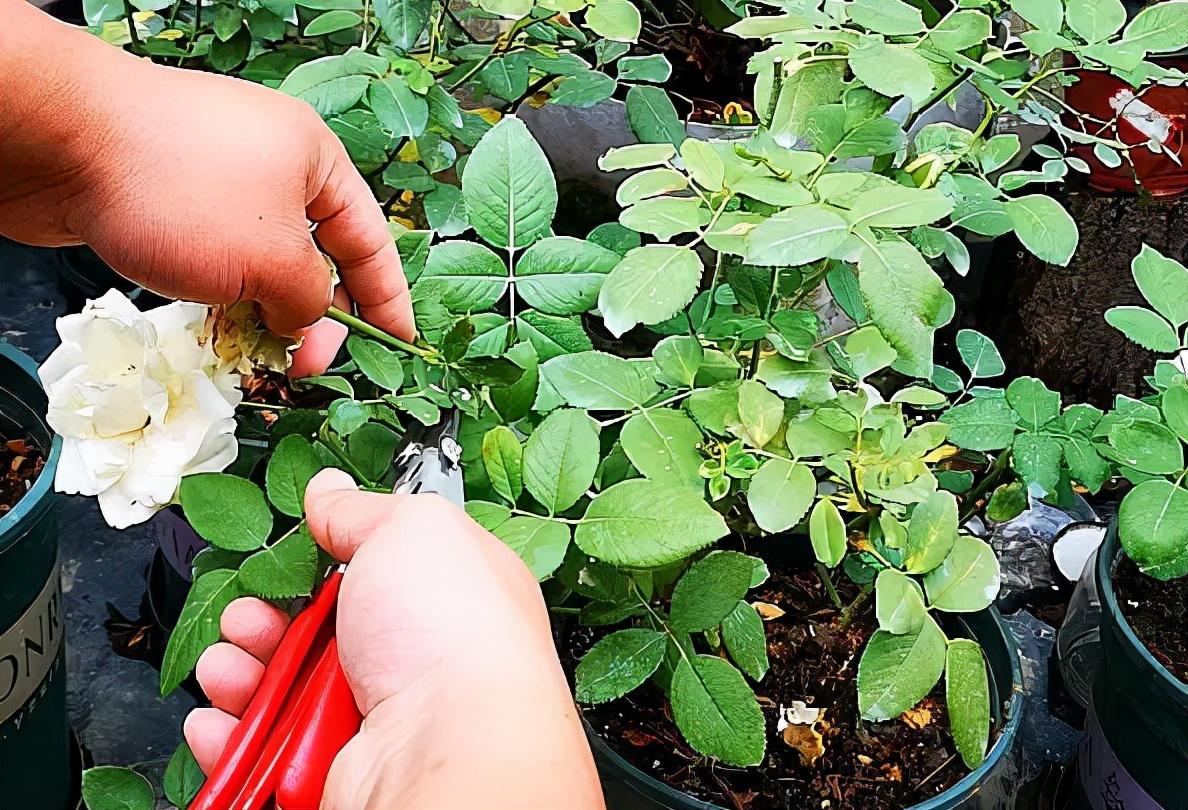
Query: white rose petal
pixel 140 400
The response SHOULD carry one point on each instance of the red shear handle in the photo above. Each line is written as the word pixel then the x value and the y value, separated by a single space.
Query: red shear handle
pixel 330 719
pixel 288 669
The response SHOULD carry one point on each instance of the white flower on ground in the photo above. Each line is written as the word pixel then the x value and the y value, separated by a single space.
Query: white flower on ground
pixel 140 400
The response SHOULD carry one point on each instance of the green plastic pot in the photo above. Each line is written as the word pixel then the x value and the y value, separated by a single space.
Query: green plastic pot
pixel 1136 751
pixel 990 786
pixel 35 751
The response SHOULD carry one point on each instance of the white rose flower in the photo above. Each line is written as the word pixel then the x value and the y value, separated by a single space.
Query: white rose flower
pixel 140 400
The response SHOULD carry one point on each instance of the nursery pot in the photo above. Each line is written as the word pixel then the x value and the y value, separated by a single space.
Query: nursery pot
pixel 1135 750
pixel 990 787
pixel 35 753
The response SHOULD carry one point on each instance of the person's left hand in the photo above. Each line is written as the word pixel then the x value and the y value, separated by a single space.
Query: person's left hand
pixel 200 187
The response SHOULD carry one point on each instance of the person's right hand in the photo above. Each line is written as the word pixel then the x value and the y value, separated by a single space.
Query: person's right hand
pixel 445 640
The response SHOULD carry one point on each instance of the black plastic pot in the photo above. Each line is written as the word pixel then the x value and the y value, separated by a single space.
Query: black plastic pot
pixel 991 787
pixel 1135 752
pixel 35 749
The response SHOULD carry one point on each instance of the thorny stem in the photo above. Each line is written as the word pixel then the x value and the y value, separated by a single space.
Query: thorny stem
pixel 361 326
pixel 502 45
pixel 850 612
pixel 827 581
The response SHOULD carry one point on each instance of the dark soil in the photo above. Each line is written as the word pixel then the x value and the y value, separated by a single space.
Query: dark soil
pixel 1155 611
pixel 865 766
pixel 20 464
pixel 1048 321
pixel 708 67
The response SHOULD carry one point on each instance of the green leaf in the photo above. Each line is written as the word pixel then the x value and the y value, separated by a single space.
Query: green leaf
pixel 979 354
pixel 760 413
pixel 616 20
pixel 285 569
pixel 746 640
pixel 463 276
pixel 510 192
pixel 506 77
pixel 983 423
pixel 183 777
pixel 346 416
pixel 665 217
pixel 810 87
pixel 654 68
pixel 1153 528
pixel 967 581
pixel 644 523
pixel 1164 283
pixel 378 363
pixel 511 9
pixel 967 699
pixel 540 543
pixel 710 590
pixel 1095 20
pixel 227 511
pixel 1158 28
pixel 198 624
pixel 1044 227
pixel 399 109
pixel 599 381
pixel 636 156
pixel 717 712
pixel 560 458
pixel 1085 464
pixel 445 209
pixel 932 532
pixel 649 183
pixel 561 275
pixel 371 448
pixel 503 458
pixel 1007 501
pixel 809 381
pixel 329 22
pixel 650 285
pixel 891 17
pixel 617 664
pixel 662 444
pixel 869 351
pixel 1147 446
pixel 410 176
pixel 898 671
pixel 780 494
pixel 1046 15
pixel 899 603
pixel 796 236
pixel 1144 327
pixel 1175 409
pixel 334 84
pixel 1036 457
pixel 827 532
pixel 291 466
pixel 1032 401
pixel 892 70
pixel 906 300
pixel 677 360
pixel 961 30
pixel 899 207
pixel 111 788
pixel 652 117
pixel 403 21
pixel 583 89
pixel 703 164
pixel 365 140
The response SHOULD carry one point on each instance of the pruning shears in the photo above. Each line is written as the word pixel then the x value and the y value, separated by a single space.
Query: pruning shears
pixel 303 711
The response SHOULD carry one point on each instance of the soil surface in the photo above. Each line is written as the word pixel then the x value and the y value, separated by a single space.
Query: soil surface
pixel 865 766
pixel 1155 611
pixel 1049 321
pixel 20 464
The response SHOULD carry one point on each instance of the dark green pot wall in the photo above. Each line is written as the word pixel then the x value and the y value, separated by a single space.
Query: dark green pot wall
pixel 35 766
pixel 1142 708
pixel 990 787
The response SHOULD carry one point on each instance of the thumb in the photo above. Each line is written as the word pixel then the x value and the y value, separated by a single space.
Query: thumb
pixel 340 517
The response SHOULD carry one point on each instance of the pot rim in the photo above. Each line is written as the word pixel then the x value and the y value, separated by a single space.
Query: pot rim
pixel 1108 557
pixel 33 500
pixel 966 786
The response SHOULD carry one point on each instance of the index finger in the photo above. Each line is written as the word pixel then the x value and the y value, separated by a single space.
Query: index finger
pixel 351 228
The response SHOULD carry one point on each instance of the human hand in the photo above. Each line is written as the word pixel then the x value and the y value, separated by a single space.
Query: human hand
pixel 197 186
pixel 445 641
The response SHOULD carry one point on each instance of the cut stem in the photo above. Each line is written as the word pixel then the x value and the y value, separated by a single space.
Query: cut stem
pixel 363 327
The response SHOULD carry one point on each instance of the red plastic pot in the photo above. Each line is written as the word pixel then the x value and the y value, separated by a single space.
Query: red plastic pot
pixel 1157 114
